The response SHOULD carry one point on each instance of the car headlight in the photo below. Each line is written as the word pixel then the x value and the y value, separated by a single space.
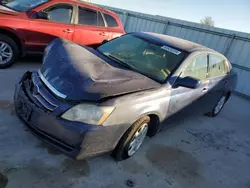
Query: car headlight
pixel 88 113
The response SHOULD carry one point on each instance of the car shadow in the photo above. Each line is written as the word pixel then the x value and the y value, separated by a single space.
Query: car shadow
pixel 32 58
pixel 28 62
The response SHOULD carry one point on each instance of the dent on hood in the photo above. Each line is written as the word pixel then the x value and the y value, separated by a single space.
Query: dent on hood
pixel 80 74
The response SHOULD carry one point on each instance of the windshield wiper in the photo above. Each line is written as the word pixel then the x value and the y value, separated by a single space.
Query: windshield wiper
pixel 121 62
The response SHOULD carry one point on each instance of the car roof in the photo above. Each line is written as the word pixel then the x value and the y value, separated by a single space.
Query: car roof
pixel 181 44
pixel 94 6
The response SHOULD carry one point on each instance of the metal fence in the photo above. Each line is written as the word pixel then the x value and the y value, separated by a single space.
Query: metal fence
pixel 234 45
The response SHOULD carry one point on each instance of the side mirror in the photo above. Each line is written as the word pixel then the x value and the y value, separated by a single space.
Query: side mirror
pixel 187 82
pixel 42 15
pixel 104 41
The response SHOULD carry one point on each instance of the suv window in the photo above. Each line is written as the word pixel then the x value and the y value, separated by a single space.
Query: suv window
pixel 87 17
pixel 197 68
pixel 110 21
pixel 60 13
pixel 217 66
pixel 90 17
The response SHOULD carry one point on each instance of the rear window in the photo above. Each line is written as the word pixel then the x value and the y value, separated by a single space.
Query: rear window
pixel 217 66
pixel 87 17
pixel 110 21
pixel 90 17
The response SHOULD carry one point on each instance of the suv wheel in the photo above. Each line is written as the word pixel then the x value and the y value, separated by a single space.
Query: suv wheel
pixel 132 139
pixel 8 51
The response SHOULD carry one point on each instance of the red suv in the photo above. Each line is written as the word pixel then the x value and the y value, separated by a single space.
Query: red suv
pixel 29 25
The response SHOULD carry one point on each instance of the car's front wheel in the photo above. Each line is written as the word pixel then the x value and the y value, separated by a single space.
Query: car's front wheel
pixel 132 139
pixel 8 51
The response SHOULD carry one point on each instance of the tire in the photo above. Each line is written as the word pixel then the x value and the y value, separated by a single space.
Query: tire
pixel 123 149
pixel 14 51
pixel 218 107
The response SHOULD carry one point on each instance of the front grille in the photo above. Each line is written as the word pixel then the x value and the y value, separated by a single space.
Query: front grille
pixel 39 94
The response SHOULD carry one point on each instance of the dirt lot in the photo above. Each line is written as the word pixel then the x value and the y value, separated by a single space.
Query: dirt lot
pixel 200 152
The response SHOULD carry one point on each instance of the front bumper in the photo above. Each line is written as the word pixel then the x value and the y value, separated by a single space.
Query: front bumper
pixel 77 140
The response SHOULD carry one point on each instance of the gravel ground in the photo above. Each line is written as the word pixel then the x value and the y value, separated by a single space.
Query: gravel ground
pixel 200 152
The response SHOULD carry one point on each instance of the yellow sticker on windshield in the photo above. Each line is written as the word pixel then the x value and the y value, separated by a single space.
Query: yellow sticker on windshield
pixel 172 50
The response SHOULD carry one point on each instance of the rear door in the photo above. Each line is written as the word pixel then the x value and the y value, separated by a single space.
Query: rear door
pixel 90 29
pixel 113 27
pixel 185 102
pixel 218 71
pixel 60 24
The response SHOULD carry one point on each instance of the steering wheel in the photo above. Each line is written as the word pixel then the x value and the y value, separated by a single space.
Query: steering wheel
pixel 148 61
pixel 165 72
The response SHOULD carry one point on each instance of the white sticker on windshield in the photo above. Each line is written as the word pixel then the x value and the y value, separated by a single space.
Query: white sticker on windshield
pixel 172 50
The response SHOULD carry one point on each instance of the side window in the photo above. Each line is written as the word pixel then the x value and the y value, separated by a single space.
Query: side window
pixel 87 17
pixel 110 21
pixel 60 13
pixel 197 68
pixel 217 66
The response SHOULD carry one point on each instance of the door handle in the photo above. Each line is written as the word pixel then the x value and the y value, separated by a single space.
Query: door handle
pixel 103 34
pixel 68 31
pixel 204 90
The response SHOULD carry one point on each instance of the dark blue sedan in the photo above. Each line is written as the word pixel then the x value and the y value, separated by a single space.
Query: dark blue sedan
pixel 86 102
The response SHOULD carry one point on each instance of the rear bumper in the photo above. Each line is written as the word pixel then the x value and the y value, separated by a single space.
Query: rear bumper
pixel 76 140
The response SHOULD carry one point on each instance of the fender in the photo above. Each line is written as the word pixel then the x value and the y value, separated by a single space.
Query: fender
pixel 13 33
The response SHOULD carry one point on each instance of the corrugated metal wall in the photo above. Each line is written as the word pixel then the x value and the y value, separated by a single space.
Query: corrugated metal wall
pixel 234 45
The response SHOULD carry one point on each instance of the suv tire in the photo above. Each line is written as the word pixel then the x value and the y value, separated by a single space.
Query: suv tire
pixel 8 51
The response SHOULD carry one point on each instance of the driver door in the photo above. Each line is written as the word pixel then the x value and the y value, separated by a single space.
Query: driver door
pixel 60 24
pixel 185 102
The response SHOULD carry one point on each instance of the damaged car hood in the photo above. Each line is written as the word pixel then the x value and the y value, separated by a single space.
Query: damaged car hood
pixel 75 72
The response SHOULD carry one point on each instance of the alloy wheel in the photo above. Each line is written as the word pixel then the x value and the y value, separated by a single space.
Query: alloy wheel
pixel 6 52
pixel 220 105
pixel 137 139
